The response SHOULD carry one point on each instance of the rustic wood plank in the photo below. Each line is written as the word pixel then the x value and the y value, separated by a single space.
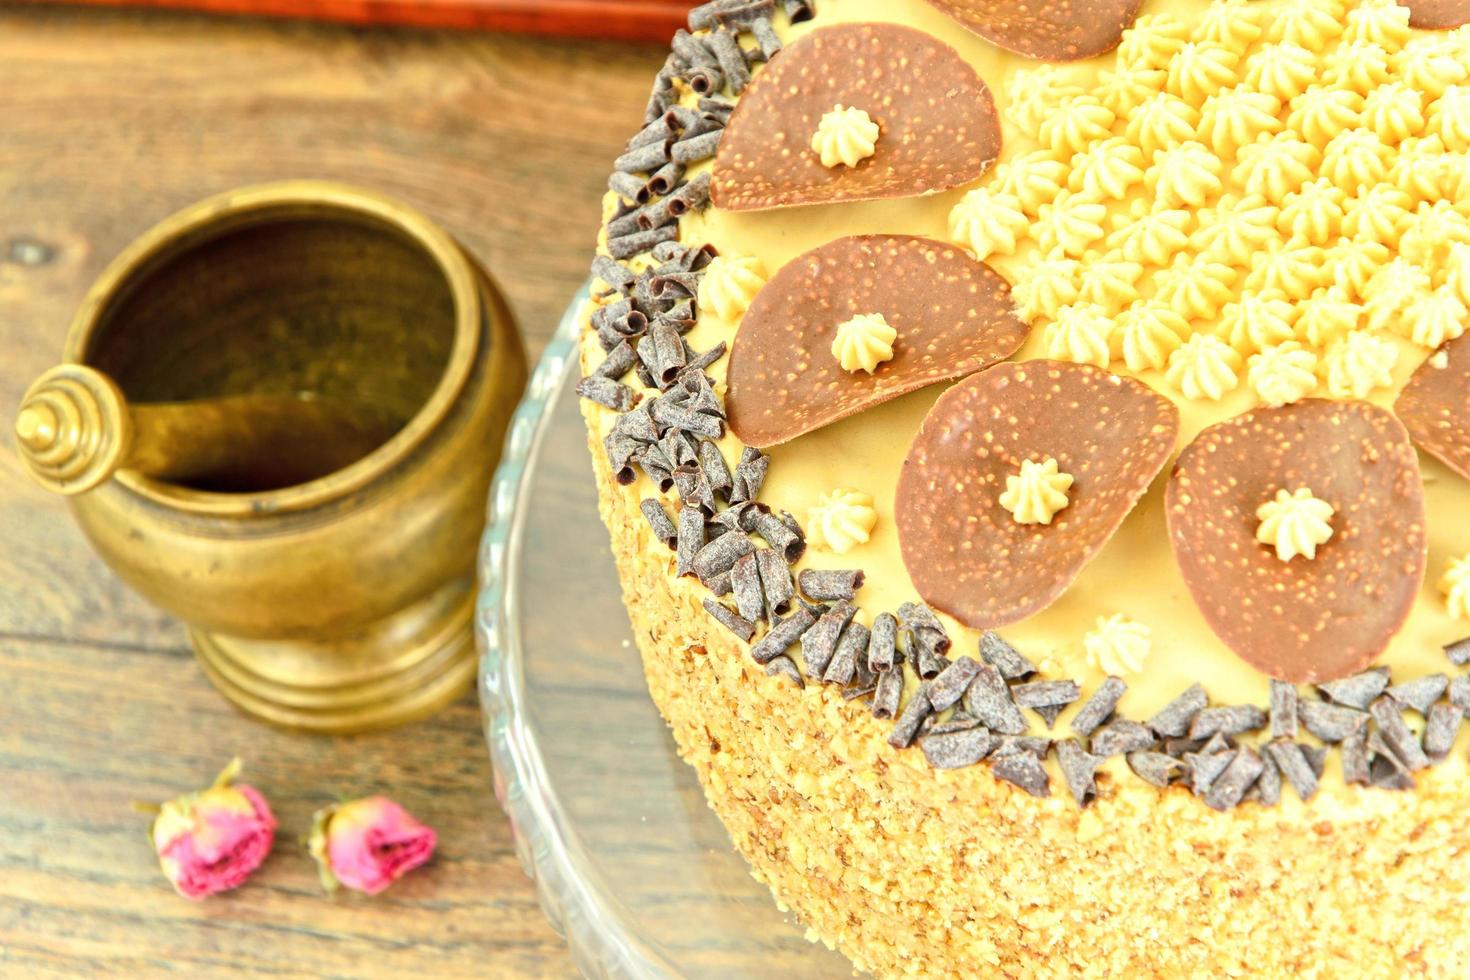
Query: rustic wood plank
pixel 111 121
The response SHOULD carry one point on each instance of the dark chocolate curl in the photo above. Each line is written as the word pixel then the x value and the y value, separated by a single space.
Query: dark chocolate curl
pixel 664 179
pixel 745 583
pixel 956 749
pixel 717 109
pixel 630 245
pixel 735 623
pixel 1283 709
pixel 658 131
pixel 1122 737
pixel 1459 652
pixel 626 186
pixel 1078 770
pixel 689 541
pixel 776 584
pixel 1021 769
pixel 616 275
pixel 693 196
pixel 1228 721
pixel 1420 693
pixel 716 473
pixel 781 635
pixel 731 58
pixel 671 415
pixel 708 15
pixel 607 393
pixel 1331 722
pixel 620 453
pixel 1003 656
pixel 1396 733
pixel 705 79
pixel 1292 762
pixel 765 36
pixel 799 10
pixel 708 358
pixel 688 151
pixel 668 351
pixel 779 536
pixel 882 643
pixel 1441 730
pixel 821 584
pixel 619 361
pixel 1099 708
pixel 1230 786
pixel 888 694
pixel 1155 768
pixel 620 318
pixel 750 475
pixel 950 685
pixel 819 643
pixel 852 646
pixel 658 520
pixel 692 49
pixel 646 158
pixel 1173 720
pixel 721 554
pixel 988 699
pixel 907 725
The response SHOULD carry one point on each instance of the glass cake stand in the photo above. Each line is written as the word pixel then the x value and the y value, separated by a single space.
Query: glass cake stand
pixel 630 865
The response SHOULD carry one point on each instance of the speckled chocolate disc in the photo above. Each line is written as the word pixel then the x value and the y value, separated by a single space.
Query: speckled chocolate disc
pixel 966 555
pixel 1303 620
pixel 1437 14
pixel 953 315
pixel 1435 406
pixel 1050 30
pixel 937 122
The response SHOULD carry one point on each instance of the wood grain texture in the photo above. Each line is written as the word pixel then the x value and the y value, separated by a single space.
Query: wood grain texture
pixel 628 20
pixel 111 121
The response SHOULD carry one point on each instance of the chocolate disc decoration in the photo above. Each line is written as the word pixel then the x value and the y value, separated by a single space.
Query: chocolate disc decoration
pixel 1435 405
pixel 1437 14
pixel 966 555
pixel 1051 30
pixel 1303 620
pixel 937 122
pixel 953 315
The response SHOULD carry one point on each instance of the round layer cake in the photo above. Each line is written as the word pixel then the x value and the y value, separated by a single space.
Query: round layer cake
pixel 1035 441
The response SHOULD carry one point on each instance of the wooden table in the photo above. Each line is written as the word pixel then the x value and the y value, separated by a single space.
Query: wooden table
pixel 109 122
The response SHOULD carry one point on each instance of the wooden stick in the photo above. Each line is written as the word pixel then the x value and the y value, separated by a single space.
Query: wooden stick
pixel 626 20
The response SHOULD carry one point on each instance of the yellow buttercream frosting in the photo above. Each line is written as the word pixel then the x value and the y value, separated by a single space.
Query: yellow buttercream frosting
pixel 988 222
pixel 1377 214
pixel 1108 169
pixel 1314 213
pixel 1037 492
pixel 1199 70
pixel 1147 334
pixel 1071 224
pixel 1235 24
pixel 1238 117
pixel 1257 321
pixel 1381 22
pixel 1394 112
pixel 1359 65
pixel 1034 179
pixel 729 285
pixel 1454 585
pixel 1310 25
pixel 1204 367
pixel 1283 69
pixel 1295 523
pixel 863 342
pixel 1437 317
pixel 1359 364
pixel 1161 122
pixel 845 136
pixel 1393 291
pixel 1321 112
pixel 1076 124
pixel 1152 41
pixel 1272 169
pixel 1197 287
pixel 1185 175
pixel 1082 334
pixel 1327 316
pixel 841 520
pixel 1283 374
pixel 1046 286
pixel 1118 646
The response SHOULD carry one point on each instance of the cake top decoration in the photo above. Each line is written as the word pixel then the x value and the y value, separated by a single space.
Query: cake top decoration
pixel 1301 620
pixel 937 122
pixel 1049 30
pixel 951 315
pixel 1435 405
pixel 1437 14
pixel 966 554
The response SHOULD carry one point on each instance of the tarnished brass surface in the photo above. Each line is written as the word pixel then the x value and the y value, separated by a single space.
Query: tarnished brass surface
pixel 278 418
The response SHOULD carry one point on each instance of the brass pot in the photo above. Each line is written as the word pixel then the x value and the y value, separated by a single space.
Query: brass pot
pixel 278 418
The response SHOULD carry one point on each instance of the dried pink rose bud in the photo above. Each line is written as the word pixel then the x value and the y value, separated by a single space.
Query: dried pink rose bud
pixel 211 841
pixel 368 844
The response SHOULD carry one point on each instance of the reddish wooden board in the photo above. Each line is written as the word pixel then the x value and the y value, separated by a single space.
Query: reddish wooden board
pixel 624 20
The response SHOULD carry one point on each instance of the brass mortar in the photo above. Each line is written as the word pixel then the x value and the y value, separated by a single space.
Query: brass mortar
pixel 277 419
